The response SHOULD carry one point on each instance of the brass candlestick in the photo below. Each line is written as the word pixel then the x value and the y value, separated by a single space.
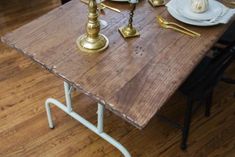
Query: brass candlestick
pixel 129 31
pixel 92 41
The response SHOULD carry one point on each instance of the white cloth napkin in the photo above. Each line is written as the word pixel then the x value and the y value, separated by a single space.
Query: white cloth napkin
pixel 224 18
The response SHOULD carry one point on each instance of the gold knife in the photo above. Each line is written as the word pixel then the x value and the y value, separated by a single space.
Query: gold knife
pixel 182 27
pixel 180 30
pixel 111 8
pixel 103 6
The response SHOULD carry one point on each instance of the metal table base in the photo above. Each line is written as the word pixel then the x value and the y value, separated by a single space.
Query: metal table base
pixel 69 110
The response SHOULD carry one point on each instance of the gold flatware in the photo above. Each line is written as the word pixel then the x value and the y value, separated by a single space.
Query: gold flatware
pixel 111 8
pixel 103 6
pixel 175 28
pixel 162 21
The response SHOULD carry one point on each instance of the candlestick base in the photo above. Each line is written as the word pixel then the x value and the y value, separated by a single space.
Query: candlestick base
pixel 92 45
pixel 128 32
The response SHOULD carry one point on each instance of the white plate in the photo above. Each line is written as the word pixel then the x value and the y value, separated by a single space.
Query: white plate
pixel 214 10
pixel 181 18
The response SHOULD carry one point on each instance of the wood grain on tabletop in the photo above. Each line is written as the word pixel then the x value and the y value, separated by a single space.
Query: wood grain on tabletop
pixel 24 128
pixel 133 77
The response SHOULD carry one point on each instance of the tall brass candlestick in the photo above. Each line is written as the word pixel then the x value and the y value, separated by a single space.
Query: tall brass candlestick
pixel 92 41
pixel 129 31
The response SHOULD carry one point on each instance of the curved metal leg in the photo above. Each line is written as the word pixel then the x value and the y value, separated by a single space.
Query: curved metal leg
pixel 49 117
pixel 96 129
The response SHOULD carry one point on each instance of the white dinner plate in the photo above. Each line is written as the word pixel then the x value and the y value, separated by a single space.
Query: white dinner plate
pixel 172 9
pixel 181 18
pixel 214 10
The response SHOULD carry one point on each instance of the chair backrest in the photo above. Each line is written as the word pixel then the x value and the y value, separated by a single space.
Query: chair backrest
pixel 218 65
pixel 228 38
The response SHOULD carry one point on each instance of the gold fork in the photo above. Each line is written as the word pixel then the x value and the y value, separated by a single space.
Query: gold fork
pixel 178 27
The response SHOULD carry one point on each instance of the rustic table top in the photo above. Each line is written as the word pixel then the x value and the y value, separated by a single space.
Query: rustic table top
pixel 133 77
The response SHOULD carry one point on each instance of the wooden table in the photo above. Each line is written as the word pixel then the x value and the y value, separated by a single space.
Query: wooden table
pixel 133 78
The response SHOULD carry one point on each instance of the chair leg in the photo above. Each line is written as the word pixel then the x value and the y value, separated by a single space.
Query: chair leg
pixel 187 121
pixel 208 104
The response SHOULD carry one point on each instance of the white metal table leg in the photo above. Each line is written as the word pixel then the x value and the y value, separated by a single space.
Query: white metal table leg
pixel 100 121
pixel 67 91
pixel 68 109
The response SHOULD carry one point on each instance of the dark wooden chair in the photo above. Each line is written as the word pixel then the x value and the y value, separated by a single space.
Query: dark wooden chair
pixel 228 39
pixel 199 87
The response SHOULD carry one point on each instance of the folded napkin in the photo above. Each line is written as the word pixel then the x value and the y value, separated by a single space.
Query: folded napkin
pixel 224 18
pixel 227 15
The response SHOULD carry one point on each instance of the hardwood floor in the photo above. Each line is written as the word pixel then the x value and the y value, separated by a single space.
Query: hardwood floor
pixel 24 131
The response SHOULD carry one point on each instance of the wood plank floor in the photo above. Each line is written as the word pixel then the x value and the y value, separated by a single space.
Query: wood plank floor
pixel 24 131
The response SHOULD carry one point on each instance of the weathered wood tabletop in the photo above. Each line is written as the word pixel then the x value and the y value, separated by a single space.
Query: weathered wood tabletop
pixel 133 77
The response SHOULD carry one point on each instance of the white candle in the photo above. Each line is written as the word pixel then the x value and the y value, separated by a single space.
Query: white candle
pixel 199 6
